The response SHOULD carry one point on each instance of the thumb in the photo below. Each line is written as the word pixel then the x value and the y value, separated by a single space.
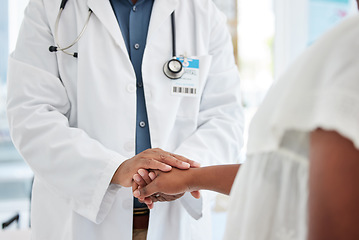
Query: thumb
pixel 145 191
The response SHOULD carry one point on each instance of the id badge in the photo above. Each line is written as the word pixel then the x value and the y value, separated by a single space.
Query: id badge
pixel 188 84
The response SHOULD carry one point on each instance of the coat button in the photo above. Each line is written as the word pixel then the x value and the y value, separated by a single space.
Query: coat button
pixel 134 8
pixel 131 88
pixel 142 124
pixel 137 46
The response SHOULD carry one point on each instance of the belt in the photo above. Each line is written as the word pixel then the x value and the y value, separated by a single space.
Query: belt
pixel 140 218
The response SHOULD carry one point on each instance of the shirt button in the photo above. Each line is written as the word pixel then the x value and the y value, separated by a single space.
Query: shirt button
pixel 137 46
pixel 142 124
pixel 134 8
pixel 139 84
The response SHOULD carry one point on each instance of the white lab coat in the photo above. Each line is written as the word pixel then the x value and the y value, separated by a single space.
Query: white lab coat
pixel 73 120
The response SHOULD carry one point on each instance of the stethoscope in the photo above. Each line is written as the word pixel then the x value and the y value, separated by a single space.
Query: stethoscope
pixel 64 49
pixel 173 68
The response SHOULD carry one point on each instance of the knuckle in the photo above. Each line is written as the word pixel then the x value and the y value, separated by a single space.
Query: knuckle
pixel 147 152
pixel 146 162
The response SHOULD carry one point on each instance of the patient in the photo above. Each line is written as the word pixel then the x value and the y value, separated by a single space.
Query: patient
pixel 300 179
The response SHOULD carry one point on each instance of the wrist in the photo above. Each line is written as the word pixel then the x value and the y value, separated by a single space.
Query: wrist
pixel 192 179
pixel 115 179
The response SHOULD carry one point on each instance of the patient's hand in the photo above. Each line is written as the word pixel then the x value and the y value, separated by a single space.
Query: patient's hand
pixel 155 186
pixel 142 179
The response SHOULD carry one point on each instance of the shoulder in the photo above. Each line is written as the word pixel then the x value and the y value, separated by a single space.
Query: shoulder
pixel 342 37
pixel 332 61
pixel 320 89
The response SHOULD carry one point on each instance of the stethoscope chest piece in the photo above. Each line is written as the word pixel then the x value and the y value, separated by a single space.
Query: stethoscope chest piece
pixel 173 69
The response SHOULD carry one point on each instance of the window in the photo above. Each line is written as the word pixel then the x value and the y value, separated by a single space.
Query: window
pixel 15 175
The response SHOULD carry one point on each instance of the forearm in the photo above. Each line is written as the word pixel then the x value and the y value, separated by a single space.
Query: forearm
pixel 217 178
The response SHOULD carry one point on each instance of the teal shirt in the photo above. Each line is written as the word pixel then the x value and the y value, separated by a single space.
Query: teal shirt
pixel 134 20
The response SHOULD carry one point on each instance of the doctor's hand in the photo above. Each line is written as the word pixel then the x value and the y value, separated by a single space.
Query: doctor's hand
pixel 156 159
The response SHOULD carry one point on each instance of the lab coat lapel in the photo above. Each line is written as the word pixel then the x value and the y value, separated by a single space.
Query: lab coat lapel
pixel 161 11
pixel 102 9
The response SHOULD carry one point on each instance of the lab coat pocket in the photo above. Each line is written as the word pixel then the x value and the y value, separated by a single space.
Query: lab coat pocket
pixel 196 71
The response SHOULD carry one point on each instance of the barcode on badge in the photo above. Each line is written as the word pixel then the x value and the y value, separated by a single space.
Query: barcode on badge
pixel 185 90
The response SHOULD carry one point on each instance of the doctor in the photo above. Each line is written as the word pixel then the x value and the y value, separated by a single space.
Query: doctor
pixel 83 114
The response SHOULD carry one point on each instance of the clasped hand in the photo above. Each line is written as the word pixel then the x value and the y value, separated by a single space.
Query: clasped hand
pixel 155 159
pixel 150 186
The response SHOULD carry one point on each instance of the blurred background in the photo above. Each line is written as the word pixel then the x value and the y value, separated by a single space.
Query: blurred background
pixel 267 36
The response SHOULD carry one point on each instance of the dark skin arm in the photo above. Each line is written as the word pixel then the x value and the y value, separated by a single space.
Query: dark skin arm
pixel 218 178
pixel 154 158
pixel 333 190
pixel 333 185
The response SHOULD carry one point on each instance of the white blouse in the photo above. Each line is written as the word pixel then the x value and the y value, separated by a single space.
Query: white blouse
pixel 321 89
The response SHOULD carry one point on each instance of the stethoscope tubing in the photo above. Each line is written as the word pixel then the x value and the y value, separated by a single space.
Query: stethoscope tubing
pixel 63 49
pixel 173 23
pixel 167 69
pixel 78 37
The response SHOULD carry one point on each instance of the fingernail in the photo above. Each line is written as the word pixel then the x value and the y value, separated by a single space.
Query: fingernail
pixel 136 193
pixel 196 164
pixel 152 175
pixel 137 178
pixel 168 167
pixel 141 173
pixel 187 165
